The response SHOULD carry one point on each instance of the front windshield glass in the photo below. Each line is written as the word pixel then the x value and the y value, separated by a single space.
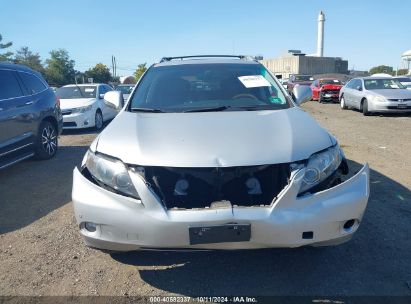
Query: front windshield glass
pixel 76 92
pixel 381 84
pixel 303 78
pixel 191 87
pixel 330 81
pixel 125 89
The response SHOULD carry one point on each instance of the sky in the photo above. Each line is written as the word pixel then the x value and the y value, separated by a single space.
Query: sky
pixel 364 32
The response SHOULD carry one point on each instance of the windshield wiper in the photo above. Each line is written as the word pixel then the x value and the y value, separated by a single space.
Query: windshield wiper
pixel 215 109
pixel 148 110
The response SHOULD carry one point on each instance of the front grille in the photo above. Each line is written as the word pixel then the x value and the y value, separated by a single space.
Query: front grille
pixel 331 91
pixel 399 99
pixel 199 187
pixel 69 124
pixel 397 108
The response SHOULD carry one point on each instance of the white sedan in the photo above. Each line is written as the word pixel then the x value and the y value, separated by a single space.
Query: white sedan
pixel 83 105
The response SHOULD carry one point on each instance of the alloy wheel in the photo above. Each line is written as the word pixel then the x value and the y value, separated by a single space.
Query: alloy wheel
pixel 49 140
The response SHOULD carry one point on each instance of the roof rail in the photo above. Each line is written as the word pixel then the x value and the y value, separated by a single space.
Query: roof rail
pixel 202 56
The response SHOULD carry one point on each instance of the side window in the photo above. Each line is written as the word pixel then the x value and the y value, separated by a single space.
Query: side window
pixel 33 83
pixel 9 86
pixel 350 84
pixel 102 90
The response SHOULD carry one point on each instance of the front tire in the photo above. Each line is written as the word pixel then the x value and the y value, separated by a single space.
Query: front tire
pixel 46 142
pixel 342 103
pixel 364 108
pixel 98 120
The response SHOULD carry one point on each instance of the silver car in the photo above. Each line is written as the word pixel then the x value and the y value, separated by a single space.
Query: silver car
pixel 216 156
pixel 375 94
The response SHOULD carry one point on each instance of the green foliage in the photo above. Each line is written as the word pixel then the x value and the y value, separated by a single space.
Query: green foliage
pixel 402 72
pixel 100 73
pixel 60 68
pixel 382 69
pixel 28 58
pixel 5 56
pixel 141 68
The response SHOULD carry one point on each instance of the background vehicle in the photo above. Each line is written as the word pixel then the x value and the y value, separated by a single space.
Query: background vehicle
pixel 83 105
pixel 375 94
pixel 405 81
pixel 299 79
pixel 30 117
pixel 284 82
pixel 126 89
pixel 326 89
pixel 216 156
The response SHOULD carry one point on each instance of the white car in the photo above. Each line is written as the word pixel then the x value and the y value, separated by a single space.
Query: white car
pixel 83 105
pixel 405 81
pixel 213 153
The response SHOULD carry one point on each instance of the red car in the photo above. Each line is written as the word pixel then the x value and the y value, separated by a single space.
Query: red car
pixel 326 89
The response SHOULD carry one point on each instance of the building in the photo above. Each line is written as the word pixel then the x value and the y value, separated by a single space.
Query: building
pixel 298 63
pixel 295 62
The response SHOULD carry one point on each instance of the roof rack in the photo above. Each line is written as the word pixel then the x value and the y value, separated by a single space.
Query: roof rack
pixel 202 56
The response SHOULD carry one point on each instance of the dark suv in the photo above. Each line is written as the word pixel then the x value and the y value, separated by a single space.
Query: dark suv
pixel 30 116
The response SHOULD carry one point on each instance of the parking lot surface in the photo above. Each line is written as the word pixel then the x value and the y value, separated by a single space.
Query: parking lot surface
pixel 42 253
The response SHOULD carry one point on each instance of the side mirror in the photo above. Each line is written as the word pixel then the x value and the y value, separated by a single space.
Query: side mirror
pixel 301 94
pixel 359 88
pixel 114 99
pixel 101 96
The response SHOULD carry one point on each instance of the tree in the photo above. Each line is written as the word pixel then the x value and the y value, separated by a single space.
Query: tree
pixel 141 68
pixel 5 56
pixel 60 68
pixel 27 57
pixel 402 72
pixel 100 73
pixel 382 69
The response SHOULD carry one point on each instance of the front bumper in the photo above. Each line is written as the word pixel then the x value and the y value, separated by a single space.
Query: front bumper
pixel 389 106
pixel 126 224
pixel 79 120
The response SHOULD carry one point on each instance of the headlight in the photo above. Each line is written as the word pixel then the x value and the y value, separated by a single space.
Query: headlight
pixel 110 172
pixel 379 99
pixel 81 109
pixel 320 166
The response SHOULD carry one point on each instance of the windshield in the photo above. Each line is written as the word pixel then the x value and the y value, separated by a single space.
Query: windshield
pixel 381 84
pixel 303 78
pixel 330 81
pixel 192 87
pixel 125 89
pixel 76 92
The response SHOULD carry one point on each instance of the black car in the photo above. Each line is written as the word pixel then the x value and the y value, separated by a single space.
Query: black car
pixel 30 116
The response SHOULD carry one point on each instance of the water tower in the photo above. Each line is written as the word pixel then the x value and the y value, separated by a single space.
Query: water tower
pixel 406 57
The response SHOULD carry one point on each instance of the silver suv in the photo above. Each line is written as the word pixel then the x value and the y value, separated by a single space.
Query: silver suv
pixel 213 153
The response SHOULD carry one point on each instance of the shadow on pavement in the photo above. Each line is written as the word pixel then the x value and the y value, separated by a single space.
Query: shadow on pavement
pixel 374 262
pixel 31 189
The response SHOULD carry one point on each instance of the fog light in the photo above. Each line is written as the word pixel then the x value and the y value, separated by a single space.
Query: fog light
pixel 86 122
pixel 349 224
pixel 90 227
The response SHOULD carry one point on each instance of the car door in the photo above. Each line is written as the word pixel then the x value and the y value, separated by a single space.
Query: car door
pixel 357 93
pixel 314 89
pixel 33 86
pixel 15 113
pixel 348 92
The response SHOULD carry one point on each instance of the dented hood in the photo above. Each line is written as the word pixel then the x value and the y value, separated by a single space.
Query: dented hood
pixel 213 139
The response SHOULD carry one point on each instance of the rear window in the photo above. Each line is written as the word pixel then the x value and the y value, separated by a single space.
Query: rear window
pixel 303 78
pixel 33 83
pixel 9 86
pixel 76 92
pixel 178 88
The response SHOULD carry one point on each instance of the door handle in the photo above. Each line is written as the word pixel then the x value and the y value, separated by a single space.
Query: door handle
pixel 29 102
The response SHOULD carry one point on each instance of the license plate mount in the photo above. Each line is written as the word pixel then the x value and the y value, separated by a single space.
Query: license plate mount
pixel 220 234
